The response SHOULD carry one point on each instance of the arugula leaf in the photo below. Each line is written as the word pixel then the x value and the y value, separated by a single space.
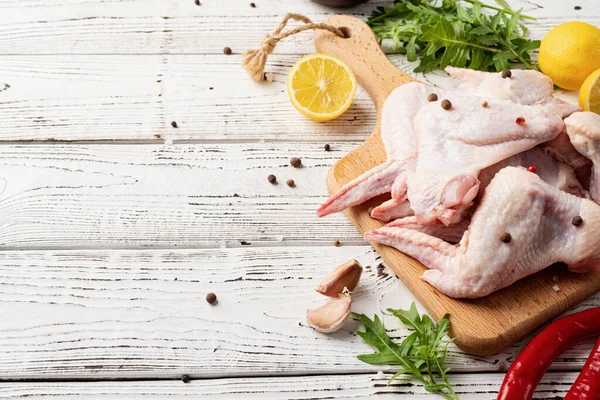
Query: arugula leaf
pixel 462 13
pixel 421 354
pixel 452 33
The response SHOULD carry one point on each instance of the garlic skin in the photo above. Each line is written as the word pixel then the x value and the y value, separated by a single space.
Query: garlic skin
pixel 331 316
pixel 344 276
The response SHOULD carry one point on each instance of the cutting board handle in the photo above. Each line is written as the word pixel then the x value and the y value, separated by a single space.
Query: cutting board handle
pixel 361 51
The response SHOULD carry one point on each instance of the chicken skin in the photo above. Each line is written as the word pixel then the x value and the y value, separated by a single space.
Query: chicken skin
pixel 521 226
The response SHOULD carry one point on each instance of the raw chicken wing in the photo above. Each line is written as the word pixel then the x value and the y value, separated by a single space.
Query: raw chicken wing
pixel 539 219
pixel 400 144
pixel 455 145
pixel 525 87
pixel 583 129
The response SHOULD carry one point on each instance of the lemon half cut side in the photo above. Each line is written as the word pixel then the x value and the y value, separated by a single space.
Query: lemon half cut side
pixel 321 86
pixel 589 93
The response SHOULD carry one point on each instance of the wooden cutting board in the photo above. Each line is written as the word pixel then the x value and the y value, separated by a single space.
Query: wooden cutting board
pixel 481 326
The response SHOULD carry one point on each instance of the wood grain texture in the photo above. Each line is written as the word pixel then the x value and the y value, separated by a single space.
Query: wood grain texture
pixel 135 98
pixel 118 196
pixel 468 387
pixel 480 326
pixel 87 70
pixel 116 97
pixel 123 314
pixel 57 89
pixel 181 27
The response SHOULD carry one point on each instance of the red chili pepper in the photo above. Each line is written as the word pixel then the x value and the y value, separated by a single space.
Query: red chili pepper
pixel 528 368
pixel 532 168
pixel 520 121
pixel 587 385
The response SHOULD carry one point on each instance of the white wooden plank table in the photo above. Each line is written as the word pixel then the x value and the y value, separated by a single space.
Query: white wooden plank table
pixel 114 225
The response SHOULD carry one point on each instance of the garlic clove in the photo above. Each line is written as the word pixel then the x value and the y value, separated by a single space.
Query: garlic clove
pixel 331 316
pixel 346 275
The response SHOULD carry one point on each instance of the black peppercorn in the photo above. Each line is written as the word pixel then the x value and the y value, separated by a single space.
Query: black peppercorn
pixel 336 243
pixel 505 237
pixel 296 162
pixel 197 2
pixel 291 183
pixel 432 97
pixel 211 298
pixel 272 179
pixel 484 104
pixel 506 73
pixel 185 378
pixel 174 124
pixel 446 104
pixel 252 5
pixel 227 50
pixel 577 8
pixel 577 220
pixel 327 147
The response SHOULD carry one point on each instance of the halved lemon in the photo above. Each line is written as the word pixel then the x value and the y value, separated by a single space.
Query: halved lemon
pixel 589 93
pixel 321 86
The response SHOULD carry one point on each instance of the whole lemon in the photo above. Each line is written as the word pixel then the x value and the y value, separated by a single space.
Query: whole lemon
pixel 569 53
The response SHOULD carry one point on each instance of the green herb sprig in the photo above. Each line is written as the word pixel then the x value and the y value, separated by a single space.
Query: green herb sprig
pixel 455 32
pixel 421 354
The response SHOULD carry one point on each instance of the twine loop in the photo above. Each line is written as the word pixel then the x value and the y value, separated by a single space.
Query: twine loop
pixel 254 61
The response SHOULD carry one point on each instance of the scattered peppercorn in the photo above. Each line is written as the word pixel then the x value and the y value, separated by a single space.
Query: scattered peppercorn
pixel 506 73
pixel 252 5
pixel 227 50
pixel 197 2
pixel 296 162
pixel 520 121
pixel 577 7
pixel 291 183
pixel 211 298
pixel 174 124
pixel 432 97
pixel 505 237
pixel 446 105
pixel 577 220
pixel 186 378
pixel 532 168
pixel 327 147
pixel 272 179
pixel 337 243
pixel 484 104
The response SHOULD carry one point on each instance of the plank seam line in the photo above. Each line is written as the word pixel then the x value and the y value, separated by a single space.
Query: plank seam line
pixel 52 142
pixel 216 246
pixel 245 376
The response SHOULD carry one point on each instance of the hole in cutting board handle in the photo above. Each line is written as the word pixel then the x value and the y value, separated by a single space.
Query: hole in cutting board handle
pixel 346 31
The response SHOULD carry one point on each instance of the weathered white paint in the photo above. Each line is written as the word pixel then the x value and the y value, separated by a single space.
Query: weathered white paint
pixel 119 196
pixel 105 314
pixel 135 97
pixel 468 387
pixel 122 97
pixel 86 70
pixel 181 27
pixel 59 92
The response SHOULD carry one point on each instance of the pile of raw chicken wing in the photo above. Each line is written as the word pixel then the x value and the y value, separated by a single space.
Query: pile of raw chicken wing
pixel 490 182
